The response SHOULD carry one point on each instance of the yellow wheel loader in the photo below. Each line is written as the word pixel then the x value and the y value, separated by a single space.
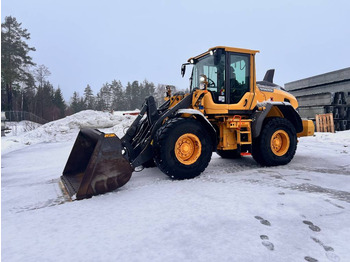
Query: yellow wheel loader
pixel 227 111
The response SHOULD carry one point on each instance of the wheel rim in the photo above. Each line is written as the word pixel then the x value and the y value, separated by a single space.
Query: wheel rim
pixel 188 149
pixel 280 142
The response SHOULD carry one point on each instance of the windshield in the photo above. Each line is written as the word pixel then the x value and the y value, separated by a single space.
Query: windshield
pixel 213 67
pixel 215 72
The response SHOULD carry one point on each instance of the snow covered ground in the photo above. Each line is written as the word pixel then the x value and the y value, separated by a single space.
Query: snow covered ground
pixel 235 211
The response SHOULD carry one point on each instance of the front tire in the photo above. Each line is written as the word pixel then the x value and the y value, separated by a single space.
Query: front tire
pixel 276 144
pixel 182 148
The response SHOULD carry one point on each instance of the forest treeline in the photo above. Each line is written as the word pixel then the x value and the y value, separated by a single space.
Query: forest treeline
pixel 24 84
pixel 113 96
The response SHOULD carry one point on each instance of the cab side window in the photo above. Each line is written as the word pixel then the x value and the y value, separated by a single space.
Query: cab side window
pixel 215 73
pixel 239 76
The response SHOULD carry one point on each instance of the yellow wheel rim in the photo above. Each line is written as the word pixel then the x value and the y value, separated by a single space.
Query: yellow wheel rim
pixel 280 142
pixel 188 149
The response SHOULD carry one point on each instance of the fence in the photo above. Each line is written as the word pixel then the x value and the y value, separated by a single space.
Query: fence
pixel 17 116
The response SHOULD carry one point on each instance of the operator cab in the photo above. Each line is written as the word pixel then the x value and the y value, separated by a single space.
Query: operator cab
pixel 227 72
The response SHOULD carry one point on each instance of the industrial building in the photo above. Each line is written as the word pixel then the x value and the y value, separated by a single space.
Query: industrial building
pixel 325 93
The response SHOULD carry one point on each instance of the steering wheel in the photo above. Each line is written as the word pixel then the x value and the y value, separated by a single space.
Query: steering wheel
pixel 211 83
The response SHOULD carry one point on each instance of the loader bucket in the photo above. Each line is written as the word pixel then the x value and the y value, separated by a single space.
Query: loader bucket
pixel 95 166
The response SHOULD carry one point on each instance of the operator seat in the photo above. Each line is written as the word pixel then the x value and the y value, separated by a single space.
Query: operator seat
pixel 235 94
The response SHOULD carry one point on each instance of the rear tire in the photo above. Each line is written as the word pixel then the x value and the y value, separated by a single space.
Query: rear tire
pixel 182 148
pixel 231 154
pixel 276 144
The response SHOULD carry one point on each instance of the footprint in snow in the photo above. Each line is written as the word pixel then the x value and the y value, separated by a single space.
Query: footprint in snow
pixel 263 221
pixel 310 259
pixel 267 243
pixel 312 226
pixel 264 237
pixel 329 250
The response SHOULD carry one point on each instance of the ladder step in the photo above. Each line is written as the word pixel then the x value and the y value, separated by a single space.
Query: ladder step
pixel 245 143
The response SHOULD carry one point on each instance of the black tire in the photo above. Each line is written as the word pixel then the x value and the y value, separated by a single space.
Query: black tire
pixel 231 154
pixel 167 138
pixel 268 154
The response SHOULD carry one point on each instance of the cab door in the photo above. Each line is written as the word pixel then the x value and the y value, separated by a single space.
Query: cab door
pixel 239 84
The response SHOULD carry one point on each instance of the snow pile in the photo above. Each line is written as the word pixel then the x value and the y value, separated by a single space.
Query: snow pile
pixel 62 129
pixel 18 128
pixel 338 137
pixel 66 129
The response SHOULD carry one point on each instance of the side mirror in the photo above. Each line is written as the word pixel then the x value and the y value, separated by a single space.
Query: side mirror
pixel 183 70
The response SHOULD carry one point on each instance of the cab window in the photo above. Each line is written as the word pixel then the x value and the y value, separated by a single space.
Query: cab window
pixel 239 76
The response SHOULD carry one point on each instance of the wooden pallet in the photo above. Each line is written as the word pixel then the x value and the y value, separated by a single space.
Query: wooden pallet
pixel 325 123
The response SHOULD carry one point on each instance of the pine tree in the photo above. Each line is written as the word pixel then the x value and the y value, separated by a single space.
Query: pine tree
pixel 118 97
pixel 128 96
pixel 136 99
pixel 39 96
pixel 105 97
pixel 99 105
pixel 147 89
pixel 89 99
pixel 47 106
pixel 28 94
pixel 14 58
pixel 77 103
pixel 59 103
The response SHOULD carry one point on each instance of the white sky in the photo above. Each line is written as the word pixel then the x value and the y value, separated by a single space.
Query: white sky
pixel 93 42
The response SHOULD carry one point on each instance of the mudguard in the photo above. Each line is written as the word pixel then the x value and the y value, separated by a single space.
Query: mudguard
pixel 286 109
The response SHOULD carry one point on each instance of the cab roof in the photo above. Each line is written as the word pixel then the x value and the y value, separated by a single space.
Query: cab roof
pixel 228 49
